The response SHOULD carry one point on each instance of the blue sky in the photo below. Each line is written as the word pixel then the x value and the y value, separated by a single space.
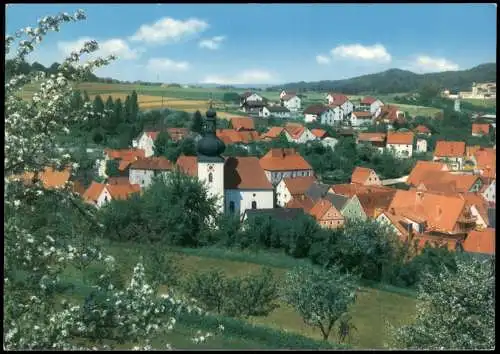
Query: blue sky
pixel 269 43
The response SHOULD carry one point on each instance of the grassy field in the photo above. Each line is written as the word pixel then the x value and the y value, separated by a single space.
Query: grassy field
pixel 373 309
pixel 482 103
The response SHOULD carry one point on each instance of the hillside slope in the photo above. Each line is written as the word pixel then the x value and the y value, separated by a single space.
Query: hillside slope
pixel 397 80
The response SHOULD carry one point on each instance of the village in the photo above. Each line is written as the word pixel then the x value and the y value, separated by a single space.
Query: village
pixel 447 201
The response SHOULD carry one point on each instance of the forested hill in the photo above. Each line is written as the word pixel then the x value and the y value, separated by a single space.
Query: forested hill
pixel 397 80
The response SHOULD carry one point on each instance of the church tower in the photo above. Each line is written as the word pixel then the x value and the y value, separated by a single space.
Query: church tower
pixel 210 163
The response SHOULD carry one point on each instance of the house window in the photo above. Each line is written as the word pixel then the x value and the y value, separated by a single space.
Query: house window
pixel 254 205
pixel 231 207
pixel 210 177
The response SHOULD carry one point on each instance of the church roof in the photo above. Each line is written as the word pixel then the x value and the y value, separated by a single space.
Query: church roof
pixel 245 173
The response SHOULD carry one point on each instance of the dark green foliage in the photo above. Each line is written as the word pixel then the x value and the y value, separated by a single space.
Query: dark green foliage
pixel 112 168
pixel 174 210
pixel 197 125
pixel 162 144
pixel 231 97
pixel 252 295
pixel 160 266
pixel 396 80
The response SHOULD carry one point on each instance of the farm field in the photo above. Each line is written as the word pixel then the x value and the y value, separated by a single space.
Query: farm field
pixel 192 99
pixel 482 103
pixel 373 309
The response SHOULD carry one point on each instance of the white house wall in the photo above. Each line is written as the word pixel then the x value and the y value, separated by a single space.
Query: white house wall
pixel 243 199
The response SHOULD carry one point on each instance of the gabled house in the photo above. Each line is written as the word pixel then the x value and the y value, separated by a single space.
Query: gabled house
pixel 323 114
pixel 285 93
pixel 338 99
pixel 450 152
pixel 298 134
pixel 253 107
pixel 283 163
pixel 479 208
pixel 373 199
pixel 377 140
pixel 422 130
pixel 301 202
pixel 142 171
pixel 292 102
pixel 365 176
pixel 372 105
pixel 232 136
pixel 125 156
pixel 360 119
pixel 480 129
pixel 275 112
pixel 242 124
pixel 349 207
pixel 146 139
pixel 390 114
pixel 421 168
pixel 99 194
pixel 326 214
pixel 320 134
pixel 400 144
pixel 246 186
pixel 446 182
pixel 289 188
pixel 250 97
pixel 272 134
pixel 485 160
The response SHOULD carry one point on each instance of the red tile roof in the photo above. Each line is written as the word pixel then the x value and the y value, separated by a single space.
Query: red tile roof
pixel 362 115
pixel 245 173
pixel 338 98
pixel 93 192
pixel 421 168
pixel 373 199
pixel 51 178
pixel 440 211
pixel 232 136
pixel 188 165
pixel 177 134
pixel 446 182
pixel 486 161
pixel 284 160
pixel 319 209
pixel 390 113
pixel 480 242
pixel 295 130
pixel 450 149
pixel 422 129
pixel 272 133
pixel 368 100
pixel 152 134
pixel 118 180
pixel 239 123
pixel 361 174
pixel 320 133
pixel 372 137
pixel 401 138
pixel 122 191
pixel 125 154
pixel 301 202
pixel 480 128
pixel 299 185
pixel 152 163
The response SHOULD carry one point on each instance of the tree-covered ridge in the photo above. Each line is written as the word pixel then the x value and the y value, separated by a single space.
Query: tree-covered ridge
pixel 397 80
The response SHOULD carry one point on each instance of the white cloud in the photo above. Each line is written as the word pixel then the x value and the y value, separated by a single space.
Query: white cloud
pixel 245 77
pixel 165 64
pixel 169 30
pixel 322 59
pixel 212 43
pixel 425 63
pixel 376 52
pixel 114 46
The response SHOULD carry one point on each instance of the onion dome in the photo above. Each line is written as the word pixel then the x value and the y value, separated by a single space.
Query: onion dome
pixel 210 145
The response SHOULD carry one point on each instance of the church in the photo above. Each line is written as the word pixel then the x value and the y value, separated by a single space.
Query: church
pixel 239 183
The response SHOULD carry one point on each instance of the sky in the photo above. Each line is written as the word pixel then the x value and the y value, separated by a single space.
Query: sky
pixel 267 43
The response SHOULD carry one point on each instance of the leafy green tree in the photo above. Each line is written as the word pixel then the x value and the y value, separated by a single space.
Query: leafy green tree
pixel 77 100
pixel 320 296
pixel 197 125
pixel 112 168
pixel 162 267
pixel 98 104
pixel 163 144
pixel 231 97
pixel 86 97
pixel 456 310
pixel 208 288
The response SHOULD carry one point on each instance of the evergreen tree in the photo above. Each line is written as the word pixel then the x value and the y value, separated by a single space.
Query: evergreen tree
pixel 109 103
pixel 117 114
pixel 134 107
pixel 126 108
pixel 98 104
pixel 197 125
pixel 77 100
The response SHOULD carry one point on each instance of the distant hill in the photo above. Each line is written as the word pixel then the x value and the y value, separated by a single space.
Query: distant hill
pixel 397 80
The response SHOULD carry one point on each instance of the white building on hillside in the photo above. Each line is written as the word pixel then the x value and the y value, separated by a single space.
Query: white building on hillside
pixel 292 102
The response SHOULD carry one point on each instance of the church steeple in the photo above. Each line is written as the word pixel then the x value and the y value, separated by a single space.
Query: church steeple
pixel 210 146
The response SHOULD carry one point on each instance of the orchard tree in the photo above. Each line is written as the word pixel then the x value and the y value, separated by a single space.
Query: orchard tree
pixel 456 309
pixel 35 259
pixel 320 296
